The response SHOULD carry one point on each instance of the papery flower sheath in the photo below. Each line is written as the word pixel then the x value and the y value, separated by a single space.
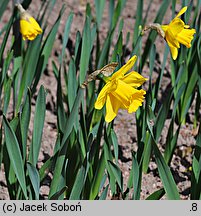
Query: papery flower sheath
pixel 177 32
pixel 29 28
pixel 120 91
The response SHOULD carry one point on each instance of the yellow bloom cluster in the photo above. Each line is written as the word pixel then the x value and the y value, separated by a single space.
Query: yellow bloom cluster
pixel 177 32
pixel 120 91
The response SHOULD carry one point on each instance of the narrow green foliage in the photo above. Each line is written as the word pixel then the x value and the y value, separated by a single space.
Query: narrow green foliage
pixel 24 122
pixel 58 194
pixel 72 84
pixel 39 119
pixel 115 145
pixel 46 50
pixel 196 170
pixel 5 39
pixel 86 50
pixel 34 177
pixel 97 178
pixel 164 172
pixel 15 157
pixel 99 5
pixel 152 35
pixel 136 178
pixel 103 195
pixel 117 174
pixel 61 116
pixel 156 195
pixel 79 182
pixel 66 35
pixel 138 21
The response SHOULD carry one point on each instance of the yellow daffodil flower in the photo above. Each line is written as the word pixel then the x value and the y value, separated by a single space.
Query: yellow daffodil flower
pixel 29 28
pixel 178 32
pixel 120 91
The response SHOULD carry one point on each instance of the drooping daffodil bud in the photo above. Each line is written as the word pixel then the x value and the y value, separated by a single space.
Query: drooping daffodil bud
pixel 29 28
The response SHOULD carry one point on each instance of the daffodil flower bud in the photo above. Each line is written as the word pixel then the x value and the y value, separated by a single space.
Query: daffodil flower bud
pixel 29 28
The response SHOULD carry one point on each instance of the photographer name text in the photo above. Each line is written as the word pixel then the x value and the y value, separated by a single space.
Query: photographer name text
pixel 43 207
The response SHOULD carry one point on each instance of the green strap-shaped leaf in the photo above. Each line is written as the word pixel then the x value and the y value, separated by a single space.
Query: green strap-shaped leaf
pixel 29 65
pixel 79 181
pixel 78 185
pixel 162 115
pixel 47 49
pixel 85 53
pixel 58 194
pixel 196 170
pixel 66 35
pixel 138 22
pixel 137 176
pixel 5 39
pixel 99 6
pixel 153 34
pixel 59 164
pixel 156 195
pixel 166 175
pixel 7 95
pixel 61 115
pixel 117 173
pixel 189 92
pixel 39 119
pixel 62 152
pixel 115 144
pixel 15 155
pixel 164 171
pixel 35 179
pixel 98 176
pixel 73 115
pixel 72 84
pixel 103 195
pixel 24 122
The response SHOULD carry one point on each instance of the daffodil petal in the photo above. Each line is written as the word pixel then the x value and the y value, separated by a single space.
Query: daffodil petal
pixel 100 101
pixel 182 11
pixel 24 27
pixel 134 79
pixel 35 25
pixel 171 39
pixel 174 52
pixel 112 107
pixel 125 68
